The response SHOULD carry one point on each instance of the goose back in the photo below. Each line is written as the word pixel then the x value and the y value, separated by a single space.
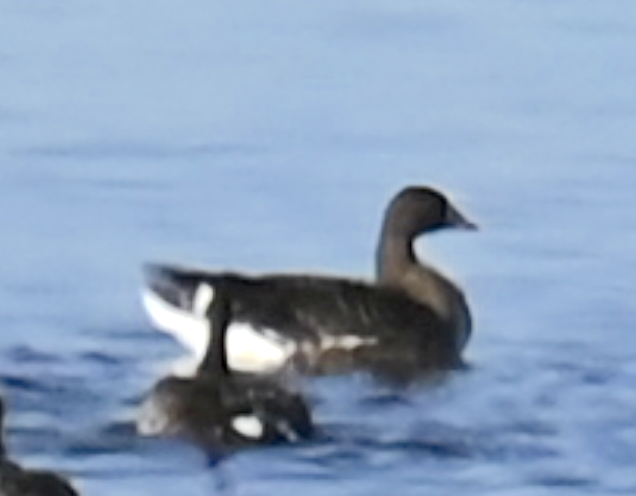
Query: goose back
pixel 336 323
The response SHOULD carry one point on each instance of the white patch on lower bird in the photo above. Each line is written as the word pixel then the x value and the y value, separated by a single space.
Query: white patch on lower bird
pixel 248 349
pixel 151 421
pixel 248 426
pixel 202 299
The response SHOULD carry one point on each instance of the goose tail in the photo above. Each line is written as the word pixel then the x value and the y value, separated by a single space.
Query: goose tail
pixel 173 298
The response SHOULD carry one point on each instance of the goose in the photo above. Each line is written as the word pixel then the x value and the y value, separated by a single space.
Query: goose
pixel 411 315
pixel 218 409
pixel 18 481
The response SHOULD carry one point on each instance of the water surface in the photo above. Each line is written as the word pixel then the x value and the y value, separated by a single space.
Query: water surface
pixel 268 136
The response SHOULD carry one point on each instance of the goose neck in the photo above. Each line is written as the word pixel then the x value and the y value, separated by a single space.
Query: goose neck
pixel 395 255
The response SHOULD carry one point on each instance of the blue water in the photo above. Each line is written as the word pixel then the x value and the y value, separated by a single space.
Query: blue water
pixel 268 136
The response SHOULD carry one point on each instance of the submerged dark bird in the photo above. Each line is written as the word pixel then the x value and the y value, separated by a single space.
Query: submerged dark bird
pixel 221 410
pixel 412 316
pixel 17 481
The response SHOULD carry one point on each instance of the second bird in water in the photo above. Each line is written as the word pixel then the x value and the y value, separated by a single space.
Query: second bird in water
pixel 218 409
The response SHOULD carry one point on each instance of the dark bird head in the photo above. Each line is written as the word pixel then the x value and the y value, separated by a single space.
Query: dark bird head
pixel 419 209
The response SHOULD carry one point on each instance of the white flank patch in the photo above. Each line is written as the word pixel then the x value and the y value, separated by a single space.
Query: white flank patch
pixel 346 342
pixel 248 426
pixel 248 350
pixel 202 299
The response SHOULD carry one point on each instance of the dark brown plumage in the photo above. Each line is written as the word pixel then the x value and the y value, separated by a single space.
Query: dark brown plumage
pixel 412 317
pixel 17 481
pixel 220 410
